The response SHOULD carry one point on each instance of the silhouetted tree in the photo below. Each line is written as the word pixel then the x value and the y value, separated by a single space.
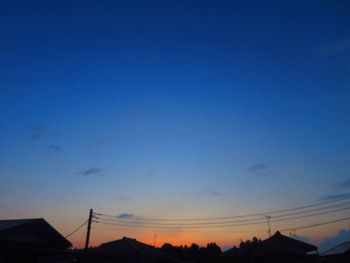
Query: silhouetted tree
pixel 213 249
pixel 193 253
pixel 249 247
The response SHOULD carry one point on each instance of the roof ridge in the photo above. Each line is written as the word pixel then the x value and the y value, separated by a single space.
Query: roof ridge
pixel 22 219
pixel 128 241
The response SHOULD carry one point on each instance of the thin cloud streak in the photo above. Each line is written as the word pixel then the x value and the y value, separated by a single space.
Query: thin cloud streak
pixel 126 216
pixel 91 171
pixel 212 193
pixel 35 132
pixel 258 167
pixel 125 198
pixel 53 150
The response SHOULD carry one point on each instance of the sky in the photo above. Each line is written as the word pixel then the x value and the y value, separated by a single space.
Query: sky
pixel 173 109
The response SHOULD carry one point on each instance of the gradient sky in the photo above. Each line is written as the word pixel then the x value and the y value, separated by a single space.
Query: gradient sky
pixel 173 109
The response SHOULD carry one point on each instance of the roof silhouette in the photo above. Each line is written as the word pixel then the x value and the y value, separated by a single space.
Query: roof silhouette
pixel 130 246
pixel 126 245
pixel 7 224
pixel 33 232
pixel 279 242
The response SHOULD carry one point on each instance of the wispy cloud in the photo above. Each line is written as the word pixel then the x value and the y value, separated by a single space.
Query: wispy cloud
pixel 212 193
pixel 149 174
pixel 335 196
pixel 52 150
pixel 102 140
pixel 63 132
pixel 35 132
pixel 258 167
pixel 125 198
pixel 98 142
pixel 126 216
pixel 91 171
pixel 261 169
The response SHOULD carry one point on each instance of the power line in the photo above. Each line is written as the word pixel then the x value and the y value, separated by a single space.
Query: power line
pixel 286 229
pixel 314 214
pixel 167 230
pixel 318 224
pixel 280 215
pixel 238 216
pixel 158 226
pixel 304 213
pixel 79 227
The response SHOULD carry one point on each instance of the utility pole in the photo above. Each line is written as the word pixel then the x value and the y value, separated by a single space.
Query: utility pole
pixel 88 230
pixel 268 224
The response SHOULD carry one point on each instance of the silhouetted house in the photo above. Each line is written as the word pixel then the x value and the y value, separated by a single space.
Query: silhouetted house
pixel 131 250
pixel 232 255
pixel 280 248
pixel 25 240
pixel 338 254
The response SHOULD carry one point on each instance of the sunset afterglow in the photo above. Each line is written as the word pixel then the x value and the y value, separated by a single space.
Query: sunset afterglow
pixel 176 110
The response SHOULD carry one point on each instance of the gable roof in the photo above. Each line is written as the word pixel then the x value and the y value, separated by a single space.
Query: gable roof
pixel 131 247
pixel 337 250
pixel 7 224
pixel 279 242
pixel 31 232
pixel 126 245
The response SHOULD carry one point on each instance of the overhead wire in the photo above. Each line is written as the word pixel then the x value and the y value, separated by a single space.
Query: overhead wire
pixel 303 213
pixel 237 216
pixel 169 230
pixel 163 224
pixel 77 229
pixel 317 224
pixel 138 225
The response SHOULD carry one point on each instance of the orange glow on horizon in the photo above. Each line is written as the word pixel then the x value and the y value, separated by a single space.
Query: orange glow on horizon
pixel 178 239
pixel 228 238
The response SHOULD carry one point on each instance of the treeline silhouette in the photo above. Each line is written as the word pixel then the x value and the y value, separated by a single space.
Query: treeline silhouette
pixel 249 247
pixel 193 253
pixel 210 253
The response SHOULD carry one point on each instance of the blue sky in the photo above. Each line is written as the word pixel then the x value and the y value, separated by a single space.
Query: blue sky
pixel 156 107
